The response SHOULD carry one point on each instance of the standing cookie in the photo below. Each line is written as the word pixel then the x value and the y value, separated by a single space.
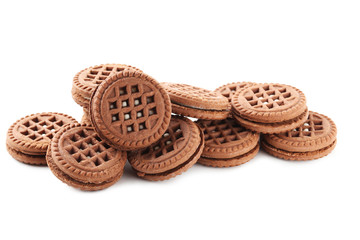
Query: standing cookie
pixel 228 90
pixel 130 110
pixel 314 139
pixel 227 144
pixel 270 108
pixel 87 80
pixel 79 158
pixel 178 150
pixel 28 138
pixel 197 102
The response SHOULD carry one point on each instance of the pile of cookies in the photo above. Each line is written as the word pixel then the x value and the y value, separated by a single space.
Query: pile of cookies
pixel 129 116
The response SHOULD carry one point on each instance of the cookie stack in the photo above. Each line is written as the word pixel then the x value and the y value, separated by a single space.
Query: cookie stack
pixel 129 116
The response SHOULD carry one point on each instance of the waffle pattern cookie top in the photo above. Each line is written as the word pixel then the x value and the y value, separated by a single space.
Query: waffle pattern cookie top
pixel 195 97
pixel 269 103
pixel 226 138
pixel 317 132
pixel 32 134
pixel 130 110
pixel 228 90
pixel 177 145
pixel 80 153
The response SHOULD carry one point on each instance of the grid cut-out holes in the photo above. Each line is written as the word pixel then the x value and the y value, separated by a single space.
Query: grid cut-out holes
pixel 60 123
pixel 280 103
pixel 34 128
pixel 295 134
pixel 157 147
pixel 36 120
pixel 74 138
pixel 271 93
pixel 261 97
pixel 90 77
pixel 44 125
pixel 27 124
pixel 134 89
pixel 178 130
pixel 226 94
pixel 140 114
pixel 221 140
pixel 179 136
pixel 159 154
pixel 287 95
pixel 82 134
pixel 115 117
pixel 125 103
pixel 102 78
pixel 120 69
pixel 122 91
pixel 317 128
pixel 253 103
pixel 52 129
pixel 33 137
pixel 306 130
pixel 276 100
pixel 317 122
pixel 113 105
pixel 97 162
pixel 267 87
pixel 93 72
pixel 233 89
pixel 82 146
pixel 266 102
pixel 137 101
pixel 255 90
pixel 97 138
pixel 89 155
pixel 25 133
pixel 71 151
pixel 150 99
pixel 106 158
pixel 52 119
pixel 306 124
pixel 127 116
pixel 152 111
pixel 282 90
pixel 166 134
pixel 168 142
pixel 142 126
pixel 106 146
pixel 130 128
pixel 170 148
pixel 307 134
pixel 249 98
pixel 270 105
pixel 145 151
pixel 109 68
pixel 79 158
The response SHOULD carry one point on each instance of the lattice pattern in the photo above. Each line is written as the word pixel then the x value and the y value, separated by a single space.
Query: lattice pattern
pixel 269 97
pixel 98 74
pixel 222 131
pixel 132 108
pixel 311 128
pixel 87 148
pixel 229 90
pixel 167 143
pixel 40 128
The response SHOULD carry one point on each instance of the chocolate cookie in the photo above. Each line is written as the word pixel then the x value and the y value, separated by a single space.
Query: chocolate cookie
pixel 228 90
pixel 197 102
pixel 79 158
pixel 178 150
pixel 270 108
pixel 87 80
pixel 130 110
pixel 227 144
pixel 28 138
pixel 314 139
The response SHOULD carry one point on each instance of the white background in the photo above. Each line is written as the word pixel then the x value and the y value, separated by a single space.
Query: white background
pixel 313 45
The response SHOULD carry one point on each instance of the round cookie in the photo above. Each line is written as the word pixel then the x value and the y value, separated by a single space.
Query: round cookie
pixel 79 158
pixel 179 149
pixel 28 138
pixel 87 80
pixel 228 90
pixel 227 144
pixel 197 102
pixel 269 108
pixel 314 139
pixel 130 110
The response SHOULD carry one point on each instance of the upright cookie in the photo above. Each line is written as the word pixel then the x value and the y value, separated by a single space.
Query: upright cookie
pixel 270 108
pixel 87 80
pixel 178 150
pixel 314 139
pixel 197 102
pixel 227 144
pixel 79 158
pixel 130 110
pixel 228 90
pixel 28 138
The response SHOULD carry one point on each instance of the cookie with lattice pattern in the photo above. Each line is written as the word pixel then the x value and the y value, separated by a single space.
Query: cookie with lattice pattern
pixel 81 159
pixel 197 102
pixel 130 110
pixel 269 108
pixel 87 80
pixel 227 143
pixel 228 90
pixel 314 139
pixel 178 149
pixel 28 138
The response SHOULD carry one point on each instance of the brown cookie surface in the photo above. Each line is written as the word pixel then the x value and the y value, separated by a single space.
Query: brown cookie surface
pixel 313 139
pixel 227 140
pixel 228 90
pixel 178 149
pixel 87 80
pixel 28 138
pixel 197 102
pixel 130 110
pixel 80 158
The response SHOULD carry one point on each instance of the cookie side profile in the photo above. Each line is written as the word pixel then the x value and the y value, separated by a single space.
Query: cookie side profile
pixel 178 150
pixel 312 140
pixel 130 110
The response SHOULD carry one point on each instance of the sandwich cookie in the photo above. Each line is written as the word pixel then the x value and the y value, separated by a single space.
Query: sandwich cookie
pixel 130 110
pixel 28 138
pixel 314 139
pixel 227 144
pixel 178 150
pixel 78 157
pixel 270 108
pixel 197 102
pixel 228 90
pixel 87 80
